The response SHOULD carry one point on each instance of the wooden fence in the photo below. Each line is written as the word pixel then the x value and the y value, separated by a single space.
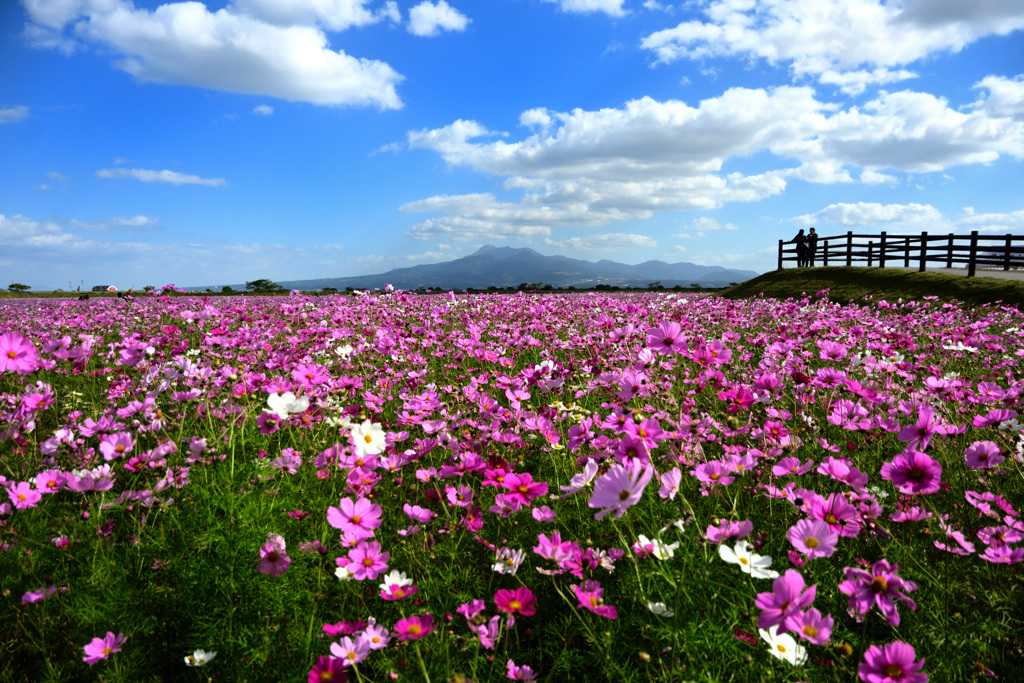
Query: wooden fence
pixel 972 251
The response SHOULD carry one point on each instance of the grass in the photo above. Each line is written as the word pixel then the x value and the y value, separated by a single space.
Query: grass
pixel 853 284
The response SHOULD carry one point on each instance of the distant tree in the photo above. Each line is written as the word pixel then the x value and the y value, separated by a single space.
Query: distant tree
pixel 227 289
pixel 329 289
pixel 18 287
pixel 262 286
pixel 695 285
pixel 655 285
pixel 148 288
pixel 547 288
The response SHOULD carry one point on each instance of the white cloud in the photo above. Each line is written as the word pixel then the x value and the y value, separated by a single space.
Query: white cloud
pixel 1008 223
pixel 335 15
pixel 866 213
pixel 124 224
pixel 588 168
pixel 263 110
pixel 610 7
pixel 1005 97
pixel 606 242
pixel 13 114
pixel 852 43
pixel 235 49
pixel 429 19
pixel 147 176
pixel 55 175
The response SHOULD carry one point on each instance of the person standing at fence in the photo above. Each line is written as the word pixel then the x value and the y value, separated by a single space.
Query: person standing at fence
pixel 801 249
pixel 812 246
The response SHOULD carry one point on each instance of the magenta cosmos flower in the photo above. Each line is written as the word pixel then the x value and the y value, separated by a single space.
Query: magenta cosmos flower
pixel 591 596
pixel 358 517
pixel 414 628
pixel 619 489
pixel 913 473
pixel 102 648
pixel 813 537
pixel 666 339
pixel 892 663
pixel 877 587
pixel 328 670
pixel 518 601
pixel 17 353
pixel 787 598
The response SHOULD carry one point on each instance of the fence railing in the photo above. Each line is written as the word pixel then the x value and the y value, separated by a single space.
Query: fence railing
pixel 972 251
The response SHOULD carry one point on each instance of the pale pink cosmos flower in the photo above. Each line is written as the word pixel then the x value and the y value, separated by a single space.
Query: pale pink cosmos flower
pixel 813 537
pixel 579 481
pixel 23 496
pixel 116 445
pixel 666 339
pixel 728 531
pixel 543 514
pixel 350 651
pixel 366 561
pixel 982 455
pixel 919 434
pixel 519 673
pixel 670 482
pixel 619 489
pixel 273 558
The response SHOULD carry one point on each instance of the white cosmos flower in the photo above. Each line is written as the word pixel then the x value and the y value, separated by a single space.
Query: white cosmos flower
pixel 395 578
pixel 369 438
pixel 661 609
pixel 286 404
pixel 660 550
pixel 749 563
pixel 783 646
pixel 199 658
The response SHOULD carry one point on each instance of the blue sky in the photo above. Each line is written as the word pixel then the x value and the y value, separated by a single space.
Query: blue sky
pixel 226 141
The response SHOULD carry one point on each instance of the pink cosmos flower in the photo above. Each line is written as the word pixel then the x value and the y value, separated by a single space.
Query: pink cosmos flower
pixel 714 472
pixel 50 481
pixel 350 651
pixel 543 514
pixel 591 596
pixel 814 538
pixel 519 673
pixel 116 445
pixel 328 670
pixel 366 561
pixel 619 489
pixel 666 339
pixel 358 517
pixel 728 531
pixel 418 514
pixel 38 595
pixel 892 663
pixel 789 466
pixel 878 587
pixel 810 625
pixel 837 512
pixel 982 455
pixel 23 496
pixel 522 488
pixel 414 628
pixel 787 598
pixel 273 558
pixel 518 601
pixel 670 482
pixel 102 648
pixel 17 353
pixel 919 434
pixel 913 473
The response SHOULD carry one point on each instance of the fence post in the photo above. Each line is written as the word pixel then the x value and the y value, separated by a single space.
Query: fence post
pixel 949 253
pixel 824 255
pixel 849 248
pixel 924 249
pixel 881 251
pixel 906 252
pixel 973 254
pixel 1006 256
pixel 871 248
pixel 780 255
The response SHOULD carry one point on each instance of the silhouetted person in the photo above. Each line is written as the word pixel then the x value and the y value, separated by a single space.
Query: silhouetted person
pixel 812 246
pixel 801 249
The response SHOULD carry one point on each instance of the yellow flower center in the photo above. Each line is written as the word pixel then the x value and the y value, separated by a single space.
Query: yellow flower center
pixel 515 605
pixel 368 439
pixel 781 648
pixel 878 584
pixel 356 519
pixel 399 593
pixel 368 562
pixel 624 494
pixel 415 629
pixel 744 560
pixel 892 671
pixel 810 631
pixel 811 542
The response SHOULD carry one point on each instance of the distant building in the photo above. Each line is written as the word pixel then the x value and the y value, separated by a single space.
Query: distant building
pixel 104 288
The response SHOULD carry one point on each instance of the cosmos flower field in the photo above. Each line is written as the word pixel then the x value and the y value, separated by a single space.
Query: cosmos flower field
pixel 398 486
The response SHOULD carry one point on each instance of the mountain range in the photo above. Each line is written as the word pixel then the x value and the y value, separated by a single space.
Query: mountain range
pixel 503 267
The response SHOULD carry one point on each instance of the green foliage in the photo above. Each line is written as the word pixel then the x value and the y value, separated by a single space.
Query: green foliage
pixel 263 286
pixel 18 287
